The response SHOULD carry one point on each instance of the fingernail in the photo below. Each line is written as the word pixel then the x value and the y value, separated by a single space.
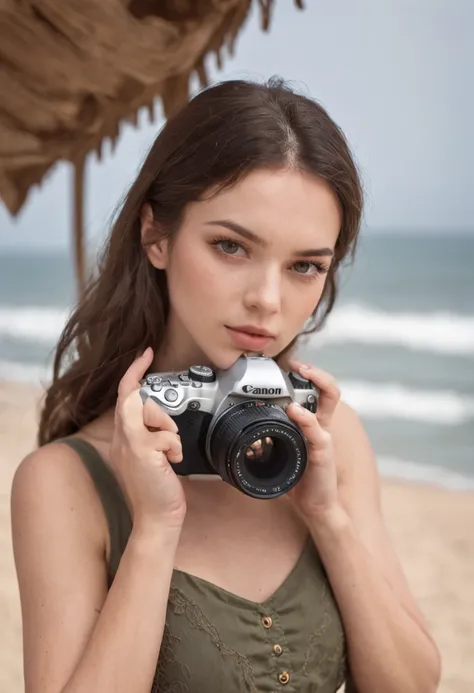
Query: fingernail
pixel 304 367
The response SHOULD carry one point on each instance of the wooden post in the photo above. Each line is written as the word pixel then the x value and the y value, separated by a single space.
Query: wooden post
pixel 78 227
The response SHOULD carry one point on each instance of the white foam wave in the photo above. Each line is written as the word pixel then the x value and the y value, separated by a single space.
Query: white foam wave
pixel 370 400
pixel 444 333
pixel 395 401
pixel 32 324
pixel 395 468
pixel 33 373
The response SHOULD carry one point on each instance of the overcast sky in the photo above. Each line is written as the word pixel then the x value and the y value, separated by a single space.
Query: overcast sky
pixel 397 75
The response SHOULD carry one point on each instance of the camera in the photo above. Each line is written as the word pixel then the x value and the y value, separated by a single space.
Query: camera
pixel 233 424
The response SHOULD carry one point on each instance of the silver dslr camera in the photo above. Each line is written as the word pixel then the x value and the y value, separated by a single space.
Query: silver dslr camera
pixel 233 423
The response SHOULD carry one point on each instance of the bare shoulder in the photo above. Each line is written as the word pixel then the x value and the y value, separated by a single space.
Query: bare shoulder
pixel 345 416
pixel 58 531
pixel 354 456
pixel 348 431
pixel 53 481
pixel 359 488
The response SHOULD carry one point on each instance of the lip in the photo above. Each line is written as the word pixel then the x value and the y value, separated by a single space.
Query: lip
pixel 249 337
pixel 251 329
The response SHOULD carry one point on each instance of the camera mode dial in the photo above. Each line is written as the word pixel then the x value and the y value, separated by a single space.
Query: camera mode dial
pixel 202 374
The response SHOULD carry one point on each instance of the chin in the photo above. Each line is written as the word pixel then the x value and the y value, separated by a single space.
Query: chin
pixel 225 357
pixel 225 360
pixel 222 359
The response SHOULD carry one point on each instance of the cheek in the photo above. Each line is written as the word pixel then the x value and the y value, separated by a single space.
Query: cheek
pixel 195 279
pixel 302 303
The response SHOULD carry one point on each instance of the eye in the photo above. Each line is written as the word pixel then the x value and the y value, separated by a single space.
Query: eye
pixel 227 246
pixel 307 268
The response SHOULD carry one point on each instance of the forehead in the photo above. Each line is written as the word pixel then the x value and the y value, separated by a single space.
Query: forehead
pixel 282 205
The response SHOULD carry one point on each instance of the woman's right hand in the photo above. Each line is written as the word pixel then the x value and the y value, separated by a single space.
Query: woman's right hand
pixel 145 441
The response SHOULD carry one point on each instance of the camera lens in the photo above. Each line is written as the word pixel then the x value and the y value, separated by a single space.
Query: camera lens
pixel 260 450
pixel 266 458
pixel 255 447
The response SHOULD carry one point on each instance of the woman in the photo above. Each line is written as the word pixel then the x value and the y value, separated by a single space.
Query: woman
pixel 133 578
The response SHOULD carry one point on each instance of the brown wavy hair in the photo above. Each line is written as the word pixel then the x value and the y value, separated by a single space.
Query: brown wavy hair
pixel 221 135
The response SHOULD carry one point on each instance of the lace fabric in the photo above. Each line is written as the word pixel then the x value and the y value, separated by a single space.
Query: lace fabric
pixel 167 657
pixel 182 605
pixel 325 653
pixel 329 662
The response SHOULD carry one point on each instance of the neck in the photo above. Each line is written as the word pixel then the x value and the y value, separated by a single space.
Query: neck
pixel 177 352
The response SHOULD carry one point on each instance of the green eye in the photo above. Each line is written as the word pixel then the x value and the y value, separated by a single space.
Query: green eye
pixel 229 247
pixel 304 267
pixel 309 268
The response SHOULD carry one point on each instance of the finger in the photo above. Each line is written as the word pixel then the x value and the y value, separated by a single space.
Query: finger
pixel 170 444
pixel 131 379
pixel 317 438
pixel 329 392
pixel 155 417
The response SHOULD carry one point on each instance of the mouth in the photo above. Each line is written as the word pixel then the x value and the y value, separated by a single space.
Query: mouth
pixel 250 337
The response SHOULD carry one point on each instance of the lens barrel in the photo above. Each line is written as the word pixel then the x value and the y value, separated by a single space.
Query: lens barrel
pixel 247 429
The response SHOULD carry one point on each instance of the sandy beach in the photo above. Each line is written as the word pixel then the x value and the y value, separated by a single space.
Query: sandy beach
pixel 432 530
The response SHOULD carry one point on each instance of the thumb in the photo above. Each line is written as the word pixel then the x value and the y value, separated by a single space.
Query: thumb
pixel 155 418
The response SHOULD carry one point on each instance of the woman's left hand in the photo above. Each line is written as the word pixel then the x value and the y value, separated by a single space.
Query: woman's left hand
pixel 316 493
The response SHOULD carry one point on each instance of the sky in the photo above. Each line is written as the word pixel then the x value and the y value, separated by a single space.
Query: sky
pixel 396 75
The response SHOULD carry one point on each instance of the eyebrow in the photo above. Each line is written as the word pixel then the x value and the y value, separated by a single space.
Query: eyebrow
pixel 251 236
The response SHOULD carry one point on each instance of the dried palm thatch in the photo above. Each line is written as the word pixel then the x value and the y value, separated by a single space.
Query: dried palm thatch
pixel 71 72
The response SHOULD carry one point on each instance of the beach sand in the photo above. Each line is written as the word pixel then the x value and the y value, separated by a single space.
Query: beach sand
pixel 432 530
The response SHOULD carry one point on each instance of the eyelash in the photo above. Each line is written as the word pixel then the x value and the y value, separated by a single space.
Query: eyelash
pixel 319 266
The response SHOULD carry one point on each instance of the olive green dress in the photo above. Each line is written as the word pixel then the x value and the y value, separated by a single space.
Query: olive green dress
pixel 217 642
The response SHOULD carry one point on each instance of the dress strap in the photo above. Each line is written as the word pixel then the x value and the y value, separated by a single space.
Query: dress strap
pixel 111 497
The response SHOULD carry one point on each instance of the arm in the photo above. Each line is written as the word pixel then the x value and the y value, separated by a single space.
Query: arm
pixel 389 645
pixel 77 638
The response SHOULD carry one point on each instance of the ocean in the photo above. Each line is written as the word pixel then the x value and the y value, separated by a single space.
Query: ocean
pixel 400 342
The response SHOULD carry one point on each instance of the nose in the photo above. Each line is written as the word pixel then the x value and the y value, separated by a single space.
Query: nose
pixel 263 290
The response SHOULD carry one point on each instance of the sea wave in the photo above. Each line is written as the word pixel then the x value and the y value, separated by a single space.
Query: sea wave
pixel 443 333
pixel 396 401
pixel 32 373
pixel 32 324
pixel 370 400
pixel 396 468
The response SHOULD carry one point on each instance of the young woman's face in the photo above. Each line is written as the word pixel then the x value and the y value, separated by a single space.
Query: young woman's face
pixel 252 259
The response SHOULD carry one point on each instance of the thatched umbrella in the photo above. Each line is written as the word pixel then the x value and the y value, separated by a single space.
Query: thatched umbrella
pixel 71 72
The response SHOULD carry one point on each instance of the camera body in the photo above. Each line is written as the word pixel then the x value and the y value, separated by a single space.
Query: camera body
pixel 233 423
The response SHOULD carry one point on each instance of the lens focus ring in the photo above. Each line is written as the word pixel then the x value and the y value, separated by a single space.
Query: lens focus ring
pixel 234 422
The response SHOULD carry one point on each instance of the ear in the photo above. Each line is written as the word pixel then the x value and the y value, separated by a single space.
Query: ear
pixel 155 247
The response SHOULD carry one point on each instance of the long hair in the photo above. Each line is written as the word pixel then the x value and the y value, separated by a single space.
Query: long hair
pixel 220 136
